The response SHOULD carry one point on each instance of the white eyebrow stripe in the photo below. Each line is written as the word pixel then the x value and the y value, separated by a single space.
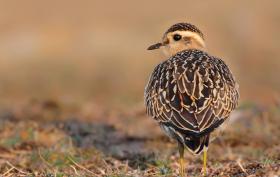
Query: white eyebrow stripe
pixel 193 35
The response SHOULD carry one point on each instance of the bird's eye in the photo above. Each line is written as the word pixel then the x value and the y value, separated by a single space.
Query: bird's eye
pixel 177 37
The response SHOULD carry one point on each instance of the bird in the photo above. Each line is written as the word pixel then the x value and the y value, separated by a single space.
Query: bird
pixel 191 93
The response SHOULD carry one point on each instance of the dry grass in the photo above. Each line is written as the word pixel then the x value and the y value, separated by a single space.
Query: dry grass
pixel 50 142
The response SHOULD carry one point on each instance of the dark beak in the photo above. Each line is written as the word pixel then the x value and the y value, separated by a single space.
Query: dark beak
pixel 155 46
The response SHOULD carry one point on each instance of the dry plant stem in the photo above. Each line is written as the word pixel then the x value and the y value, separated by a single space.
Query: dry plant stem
pixel 42 158
pixel 241 166
pixel 80 166
pixel 8 171
pixel 74 170
pixel 25 173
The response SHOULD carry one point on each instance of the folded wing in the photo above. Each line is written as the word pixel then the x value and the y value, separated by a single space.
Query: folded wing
pixel 191 92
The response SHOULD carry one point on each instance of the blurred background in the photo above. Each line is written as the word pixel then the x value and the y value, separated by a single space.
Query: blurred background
pixel 95 51
pixel 72 78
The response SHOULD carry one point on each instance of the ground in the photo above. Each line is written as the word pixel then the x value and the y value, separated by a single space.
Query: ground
pixel 45 138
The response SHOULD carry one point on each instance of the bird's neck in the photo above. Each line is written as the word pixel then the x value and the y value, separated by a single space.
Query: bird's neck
pixel 169 52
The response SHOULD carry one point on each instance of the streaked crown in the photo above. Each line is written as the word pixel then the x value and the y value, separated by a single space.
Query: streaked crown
pixel 184 27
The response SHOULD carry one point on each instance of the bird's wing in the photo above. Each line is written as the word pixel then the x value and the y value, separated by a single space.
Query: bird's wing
pixel 193 94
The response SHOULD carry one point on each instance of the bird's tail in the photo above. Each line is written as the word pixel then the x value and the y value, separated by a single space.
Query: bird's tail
pixel 197 144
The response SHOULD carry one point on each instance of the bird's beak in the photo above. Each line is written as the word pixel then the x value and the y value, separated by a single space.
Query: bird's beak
pixel 155 46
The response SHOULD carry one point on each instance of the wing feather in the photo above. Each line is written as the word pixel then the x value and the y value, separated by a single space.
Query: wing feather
pixel 191 91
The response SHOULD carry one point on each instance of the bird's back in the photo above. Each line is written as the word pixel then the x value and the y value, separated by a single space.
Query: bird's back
pixel 190 95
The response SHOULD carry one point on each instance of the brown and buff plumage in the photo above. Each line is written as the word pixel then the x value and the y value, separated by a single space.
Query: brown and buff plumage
pixel 191 94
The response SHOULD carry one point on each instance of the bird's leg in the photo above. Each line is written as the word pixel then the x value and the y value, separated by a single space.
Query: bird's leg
pixel 204 160
pixel 181 152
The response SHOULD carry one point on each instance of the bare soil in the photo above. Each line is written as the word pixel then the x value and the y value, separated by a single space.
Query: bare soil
pixel 47 139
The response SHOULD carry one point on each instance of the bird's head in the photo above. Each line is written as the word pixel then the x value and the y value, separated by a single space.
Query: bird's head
pixel 179 37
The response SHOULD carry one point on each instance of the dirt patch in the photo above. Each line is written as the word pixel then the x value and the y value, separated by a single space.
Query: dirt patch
pixel 35 142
